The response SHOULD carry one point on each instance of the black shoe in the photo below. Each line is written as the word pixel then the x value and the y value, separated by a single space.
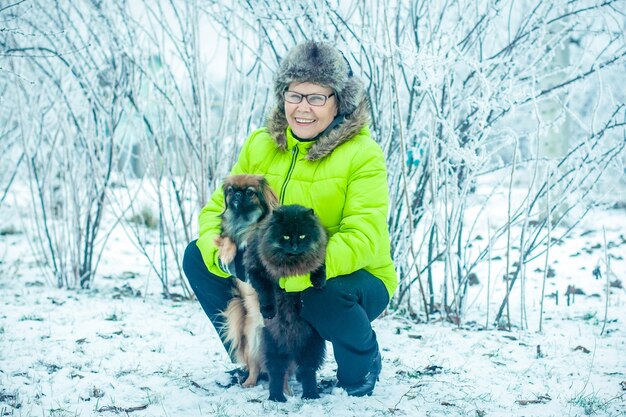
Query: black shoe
pixel 366 387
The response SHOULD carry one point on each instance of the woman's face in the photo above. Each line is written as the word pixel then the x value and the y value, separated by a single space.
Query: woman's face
pixel 307 121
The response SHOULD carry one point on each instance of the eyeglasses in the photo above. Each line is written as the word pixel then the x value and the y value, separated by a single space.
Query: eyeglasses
pixel 313 99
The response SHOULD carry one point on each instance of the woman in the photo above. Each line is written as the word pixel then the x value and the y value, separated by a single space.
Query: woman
pixel 317 151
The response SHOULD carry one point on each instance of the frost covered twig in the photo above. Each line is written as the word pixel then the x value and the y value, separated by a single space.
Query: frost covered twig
pixel 404 176
pixel 546 264
pixel 608 281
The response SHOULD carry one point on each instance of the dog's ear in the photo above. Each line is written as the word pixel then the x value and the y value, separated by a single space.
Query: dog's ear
pixel 268 197
pixel 225 186
pixel 225 189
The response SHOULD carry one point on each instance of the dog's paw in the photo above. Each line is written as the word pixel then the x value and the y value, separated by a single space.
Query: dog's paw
pixel 249 384
pixel 268 311
pixel 226 248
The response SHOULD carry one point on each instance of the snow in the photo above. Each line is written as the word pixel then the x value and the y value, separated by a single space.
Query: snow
pixel 121 349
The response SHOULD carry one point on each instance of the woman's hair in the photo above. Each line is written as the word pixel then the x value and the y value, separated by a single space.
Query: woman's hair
pixel 320 63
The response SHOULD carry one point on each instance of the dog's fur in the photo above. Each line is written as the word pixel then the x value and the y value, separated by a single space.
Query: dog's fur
pixel 247 199
pixel 243 330
pixel 290 241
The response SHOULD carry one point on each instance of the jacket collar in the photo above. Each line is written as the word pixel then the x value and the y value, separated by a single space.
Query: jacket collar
pixel 351 125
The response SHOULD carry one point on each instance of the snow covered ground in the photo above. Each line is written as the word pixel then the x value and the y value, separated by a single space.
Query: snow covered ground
pixel 120 349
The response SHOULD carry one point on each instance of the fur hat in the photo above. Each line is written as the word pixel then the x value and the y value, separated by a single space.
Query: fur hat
pixel 320 63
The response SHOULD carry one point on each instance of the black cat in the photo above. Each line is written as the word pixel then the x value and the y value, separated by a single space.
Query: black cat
pixel 291 241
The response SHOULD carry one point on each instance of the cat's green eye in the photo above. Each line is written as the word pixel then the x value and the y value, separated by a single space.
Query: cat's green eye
pixel 286 237
pixel 302 237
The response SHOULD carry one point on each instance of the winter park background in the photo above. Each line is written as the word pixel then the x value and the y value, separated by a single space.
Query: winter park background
pixel 504 127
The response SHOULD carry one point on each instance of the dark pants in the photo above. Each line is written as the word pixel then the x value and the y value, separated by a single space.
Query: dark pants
pixel 341 312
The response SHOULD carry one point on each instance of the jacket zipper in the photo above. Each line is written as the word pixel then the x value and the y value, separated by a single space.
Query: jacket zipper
pixel 294 155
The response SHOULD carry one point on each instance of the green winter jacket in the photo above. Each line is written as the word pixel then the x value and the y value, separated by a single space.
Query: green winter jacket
pixel 341 176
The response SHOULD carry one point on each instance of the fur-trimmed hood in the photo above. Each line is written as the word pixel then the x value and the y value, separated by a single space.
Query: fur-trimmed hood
pixel 329 140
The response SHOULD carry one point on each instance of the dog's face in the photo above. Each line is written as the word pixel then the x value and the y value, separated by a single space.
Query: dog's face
pixel 241 199
pixel 246 193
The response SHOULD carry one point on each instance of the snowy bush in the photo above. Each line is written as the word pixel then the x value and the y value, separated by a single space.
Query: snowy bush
pixel 470 100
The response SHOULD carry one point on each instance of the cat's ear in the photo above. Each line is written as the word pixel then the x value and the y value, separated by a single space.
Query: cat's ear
pixel 311 212
pixel 277 215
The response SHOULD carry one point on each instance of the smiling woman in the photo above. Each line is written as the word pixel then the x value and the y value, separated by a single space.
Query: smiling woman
pixel 316 151
pixel 308 118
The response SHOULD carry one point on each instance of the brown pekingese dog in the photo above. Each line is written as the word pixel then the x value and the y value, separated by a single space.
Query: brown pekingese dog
pixel 248 199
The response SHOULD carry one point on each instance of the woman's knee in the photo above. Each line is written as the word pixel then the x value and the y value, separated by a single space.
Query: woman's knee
pixel 328 302
pixel 344 296
pixel 192 261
